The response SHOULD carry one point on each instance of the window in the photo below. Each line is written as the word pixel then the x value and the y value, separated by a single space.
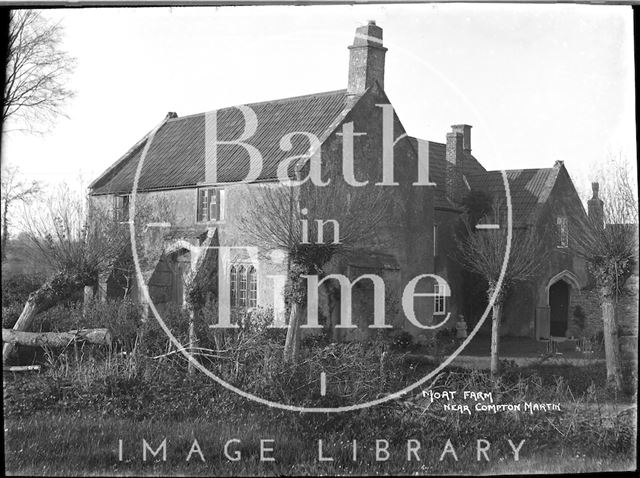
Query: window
pixel 253 287
pixel 563 232
pixel 438 299
pixel 211 204
pixel 121 207
pixel 234 285
pixel 244 286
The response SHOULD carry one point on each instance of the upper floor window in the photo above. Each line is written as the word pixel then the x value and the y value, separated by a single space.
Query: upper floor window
pixel 244 286
pixel 439 300
pixel 211 204
pixel 563 231
pixel 121 207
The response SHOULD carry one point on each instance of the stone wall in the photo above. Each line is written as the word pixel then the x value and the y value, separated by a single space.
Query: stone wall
pixel 406 233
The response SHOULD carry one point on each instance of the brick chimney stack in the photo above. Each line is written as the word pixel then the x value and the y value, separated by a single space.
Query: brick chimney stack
pixel 454 182
pixel 465 130
pixel 366 59
pixel 595 207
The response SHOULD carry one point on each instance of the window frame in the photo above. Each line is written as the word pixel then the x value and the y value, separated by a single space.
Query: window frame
pixel 243 284
pixel 233 295
pixel 121 212
pixel 206 198
pixel 252 287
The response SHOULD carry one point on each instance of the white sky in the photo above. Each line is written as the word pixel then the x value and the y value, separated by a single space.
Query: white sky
pixel 537 82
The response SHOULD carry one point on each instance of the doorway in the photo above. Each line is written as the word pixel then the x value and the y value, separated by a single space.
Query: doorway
pixel 559 308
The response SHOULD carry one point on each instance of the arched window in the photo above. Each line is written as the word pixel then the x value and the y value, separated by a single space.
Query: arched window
pixel 242 286
pixel 234 286
pixel 253 287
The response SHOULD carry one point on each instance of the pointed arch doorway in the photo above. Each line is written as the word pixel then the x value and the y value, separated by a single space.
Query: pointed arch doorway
pixel 559 308
pixel 559 296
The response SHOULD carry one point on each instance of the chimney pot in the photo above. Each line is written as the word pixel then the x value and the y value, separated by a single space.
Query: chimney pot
pixel 595 187
pixel 465 130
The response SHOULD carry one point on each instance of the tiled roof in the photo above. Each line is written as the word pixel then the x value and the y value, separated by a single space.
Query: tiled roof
pixel 437 166
pixel 176 157
pixel 529 188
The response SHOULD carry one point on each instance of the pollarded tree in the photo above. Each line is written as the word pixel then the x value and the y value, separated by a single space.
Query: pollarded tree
pixel 304 221
pixel 610 246
pixel 81 240
pixel 482 251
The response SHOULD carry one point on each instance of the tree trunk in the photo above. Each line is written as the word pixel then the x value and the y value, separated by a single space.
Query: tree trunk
pixel 24 322
pixel 611 347
pixel 56 339
pixel 495 339
pixel 292 343
pixel 5 232
pixel 193 340
pixel 87 298
pixel 53 291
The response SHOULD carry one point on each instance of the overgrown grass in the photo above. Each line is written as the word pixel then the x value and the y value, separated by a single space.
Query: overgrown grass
pixel 72 443
pixel 68 419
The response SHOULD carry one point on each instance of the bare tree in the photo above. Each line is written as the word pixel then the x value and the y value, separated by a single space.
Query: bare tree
pixel 483 251
pixel 15 190
pixel 610 246
pixel 81 240
pixel 37 71
pixel 297 219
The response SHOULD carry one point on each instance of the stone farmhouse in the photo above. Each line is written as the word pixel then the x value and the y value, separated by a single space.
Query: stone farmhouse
pixel 207 195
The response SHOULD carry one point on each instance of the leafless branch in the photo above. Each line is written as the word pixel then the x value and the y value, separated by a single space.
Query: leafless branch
pixel 37 72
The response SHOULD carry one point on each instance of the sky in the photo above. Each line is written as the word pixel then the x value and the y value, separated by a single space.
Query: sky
pixel 538 83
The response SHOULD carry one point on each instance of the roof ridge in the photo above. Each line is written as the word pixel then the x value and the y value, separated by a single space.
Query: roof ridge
pixel 521 169
pixel 278 100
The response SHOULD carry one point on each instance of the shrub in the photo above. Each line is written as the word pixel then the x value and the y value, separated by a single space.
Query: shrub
pixel 402 341
pixel 16 289
pixel 580 316
pixel 10 314
pixel 121 317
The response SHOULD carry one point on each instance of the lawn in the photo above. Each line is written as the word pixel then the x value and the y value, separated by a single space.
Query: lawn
pixel 69 418
pixel 72 443
pixel 56 425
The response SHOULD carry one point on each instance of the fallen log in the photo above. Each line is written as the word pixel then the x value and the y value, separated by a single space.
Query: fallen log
pixel 56 339
pixel 22 368
pixel 61 286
